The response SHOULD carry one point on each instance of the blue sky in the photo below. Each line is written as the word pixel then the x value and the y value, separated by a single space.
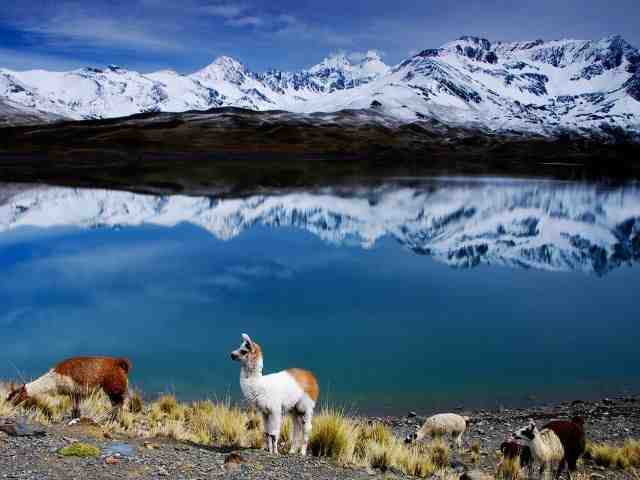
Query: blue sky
pixel 152 34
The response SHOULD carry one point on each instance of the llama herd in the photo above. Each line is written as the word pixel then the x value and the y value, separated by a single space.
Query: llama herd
pixel 295 392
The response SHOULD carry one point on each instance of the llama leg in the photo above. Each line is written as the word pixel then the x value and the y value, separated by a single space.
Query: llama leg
pixel 274 423
pixel 560 468
pixel 267 438
pixel 117 401
pixel 459 440
pixel 296 439
pixel 76 399
pixel 308 417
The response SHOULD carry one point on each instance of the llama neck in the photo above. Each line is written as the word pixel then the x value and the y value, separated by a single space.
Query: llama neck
pixel 44 384
pixel 252 371
pixel 251 384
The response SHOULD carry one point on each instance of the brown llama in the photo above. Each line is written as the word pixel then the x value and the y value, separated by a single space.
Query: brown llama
pixel 572 436
pixel 78 377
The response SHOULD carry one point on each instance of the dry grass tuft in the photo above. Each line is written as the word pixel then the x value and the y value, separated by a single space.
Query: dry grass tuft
pixel 371 444
pixel 136 404
pixel 167 404
pixel 369 432
pixel 474 452
pixel 509 469
pixel 333 436
pixel 440 453
pixel 415 460
pixel 606 455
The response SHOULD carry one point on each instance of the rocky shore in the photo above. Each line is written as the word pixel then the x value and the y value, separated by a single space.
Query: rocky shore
pixel 33 452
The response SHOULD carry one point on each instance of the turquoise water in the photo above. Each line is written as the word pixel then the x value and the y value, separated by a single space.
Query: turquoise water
pixel 413 320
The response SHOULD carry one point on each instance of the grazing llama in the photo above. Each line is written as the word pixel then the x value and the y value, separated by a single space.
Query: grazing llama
pixel 78 377
pixel 545 446
pixel 571 434
pixel 291 391
pixel 511 449
pixel 441 424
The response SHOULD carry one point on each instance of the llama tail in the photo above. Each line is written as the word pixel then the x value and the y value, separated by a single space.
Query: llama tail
pixel 124 364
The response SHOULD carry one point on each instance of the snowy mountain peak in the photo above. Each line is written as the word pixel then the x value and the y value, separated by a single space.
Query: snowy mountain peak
pixel 544 87
pixel 223 69
pixel 337 61
pixel 474 48
pixel 372 63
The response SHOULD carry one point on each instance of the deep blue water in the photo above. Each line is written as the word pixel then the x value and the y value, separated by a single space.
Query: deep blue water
pixel 383 327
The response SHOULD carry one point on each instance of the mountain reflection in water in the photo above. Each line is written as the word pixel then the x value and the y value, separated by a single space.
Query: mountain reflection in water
pixel 329 280
pixel 464 223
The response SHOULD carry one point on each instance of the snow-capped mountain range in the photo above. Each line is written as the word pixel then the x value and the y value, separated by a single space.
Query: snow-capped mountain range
pixel 537 86
pixel 545 225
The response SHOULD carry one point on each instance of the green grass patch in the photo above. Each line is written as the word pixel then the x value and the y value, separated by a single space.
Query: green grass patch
pixel 79 449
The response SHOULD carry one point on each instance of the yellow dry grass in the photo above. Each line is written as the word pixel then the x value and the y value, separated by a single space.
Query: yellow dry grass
pixel 509 469
pixel 344 439
pixel 625 457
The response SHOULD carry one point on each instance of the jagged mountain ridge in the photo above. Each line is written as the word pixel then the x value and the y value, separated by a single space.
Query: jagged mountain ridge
pixel 539 86
pixel 524 224
pixel 90 93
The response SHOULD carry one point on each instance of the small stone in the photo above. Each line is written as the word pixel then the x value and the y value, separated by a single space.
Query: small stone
pixel 412 415
pixel 233 459
pixel 20 429
pixel 475 475
pixel 163 472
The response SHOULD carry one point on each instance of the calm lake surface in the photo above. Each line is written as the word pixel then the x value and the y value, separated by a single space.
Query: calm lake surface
pixel 474 292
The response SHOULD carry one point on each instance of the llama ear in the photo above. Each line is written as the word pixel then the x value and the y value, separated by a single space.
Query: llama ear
pixel 246 338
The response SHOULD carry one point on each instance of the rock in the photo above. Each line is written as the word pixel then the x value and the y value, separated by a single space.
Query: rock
pixel 120 450
pixel 233 461
pixel 163 472
pixel 20 428
pixel 475 475
pixel 234 457
pixel 412 415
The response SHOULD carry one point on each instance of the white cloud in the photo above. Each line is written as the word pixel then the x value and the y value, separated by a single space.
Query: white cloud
pixel 20 60
pixel 249 21
pixel 112 32
pixel 295 28
pixel 359 56
pixel 227 10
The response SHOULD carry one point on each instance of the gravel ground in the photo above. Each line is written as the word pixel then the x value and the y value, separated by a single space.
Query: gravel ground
pixel 31 458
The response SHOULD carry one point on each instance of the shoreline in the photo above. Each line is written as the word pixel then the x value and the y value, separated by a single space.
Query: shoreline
pixel 370 410
pixel 160 451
